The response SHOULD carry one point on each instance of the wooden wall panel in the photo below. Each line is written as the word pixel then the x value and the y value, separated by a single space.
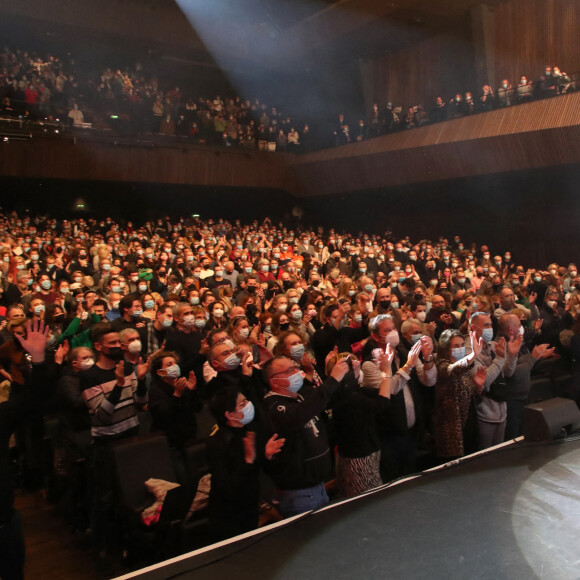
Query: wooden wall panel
pixel 440 65
pixel 62 159
pixel 530 34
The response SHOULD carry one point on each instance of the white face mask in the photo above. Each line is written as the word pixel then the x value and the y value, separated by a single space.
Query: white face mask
pixel 86 364
pixel 134 347
pixel 188 320
pixel 420 316
pixel 244 332
pixel 392 338
pixel 173 372
pixel 218 312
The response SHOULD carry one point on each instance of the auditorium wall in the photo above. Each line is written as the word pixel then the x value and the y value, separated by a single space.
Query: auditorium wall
pixel 525 36
pixel 531 34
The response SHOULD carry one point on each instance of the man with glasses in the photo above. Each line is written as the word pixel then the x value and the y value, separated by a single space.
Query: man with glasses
pixel 293 408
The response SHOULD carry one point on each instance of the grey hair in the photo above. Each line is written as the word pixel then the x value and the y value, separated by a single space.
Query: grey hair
pixel 475 315
pixel 405 326
pixel 376 320
pixel 446 337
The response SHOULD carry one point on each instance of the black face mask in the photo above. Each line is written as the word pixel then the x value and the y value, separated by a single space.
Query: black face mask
pixel 115 353
pixel 251 309
pixel 250 289
pixel 577 285
pixel 58 317
pixel 285 326
pixel 315 283
pixel 287 284
pixel 385 303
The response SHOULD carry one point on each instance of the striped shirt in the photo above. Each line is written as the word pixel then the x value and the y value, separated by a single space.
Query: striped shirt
pixel 113 409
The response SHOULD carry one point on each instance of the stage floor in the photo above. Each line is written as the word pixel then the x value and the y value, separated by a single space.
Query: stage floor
pixel 513 513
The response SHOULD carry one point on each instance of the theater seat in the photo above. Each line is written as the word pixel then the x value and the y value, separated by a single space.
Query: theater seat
pixel 136 461
pixel 195 530
pixel 541 389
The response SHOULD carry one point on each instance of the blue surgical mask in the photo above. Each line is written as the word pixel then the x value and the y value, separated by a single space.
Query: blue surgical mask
pixel 295 382
pixel 166 323
pixel 149 304
pixel 137 313
pixel 416 338
pixel 45 284
pixel 297 352
pixel 487 334
pixel 458 353
pixel 232 362
pixel 173 372
pixel 248 412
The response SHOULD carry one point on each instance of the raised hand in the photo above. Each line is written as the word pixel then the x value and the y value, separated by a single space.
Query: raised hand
pixel 274 446
pixel 476 345
pixel 426 346
pixel 542 351
pixel 413 357
pixel 500 347
pixel 61 352
pixel 248 364
pixel 479 378
pixel 431 328
pixel 386 359
pixel 538 324
pixel 179 385
pixel 36 339
pixel 331 356
pixel 447 318
pixel 515 344
pixel 339 370
pixel 191 381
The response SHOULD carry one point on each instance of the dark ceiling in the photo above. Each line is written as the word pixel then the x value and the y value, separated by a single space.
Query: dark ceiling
pixel 269 33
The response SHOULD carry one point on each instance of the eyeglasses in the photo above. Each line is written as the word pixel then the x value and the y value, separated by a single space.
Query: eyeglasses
pixel 293 368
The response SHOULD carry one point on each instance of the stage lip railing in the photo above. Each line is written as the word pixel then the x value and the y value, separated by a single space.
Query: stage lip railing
pixel 287 521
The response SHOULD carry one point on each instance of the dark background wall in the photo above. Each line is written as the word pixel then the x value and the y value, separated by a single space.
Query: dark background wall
pixel 535 214
pixel 142 201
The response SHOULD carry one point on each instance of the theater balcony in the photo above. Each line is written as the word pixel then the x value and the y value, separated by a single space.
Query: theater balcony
pixel 534 135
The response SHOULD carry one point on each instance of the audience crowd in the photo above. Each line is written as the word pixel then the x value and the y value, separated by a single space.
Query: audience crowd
pixel 136 102
pixel 331 361
pixel 386 119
